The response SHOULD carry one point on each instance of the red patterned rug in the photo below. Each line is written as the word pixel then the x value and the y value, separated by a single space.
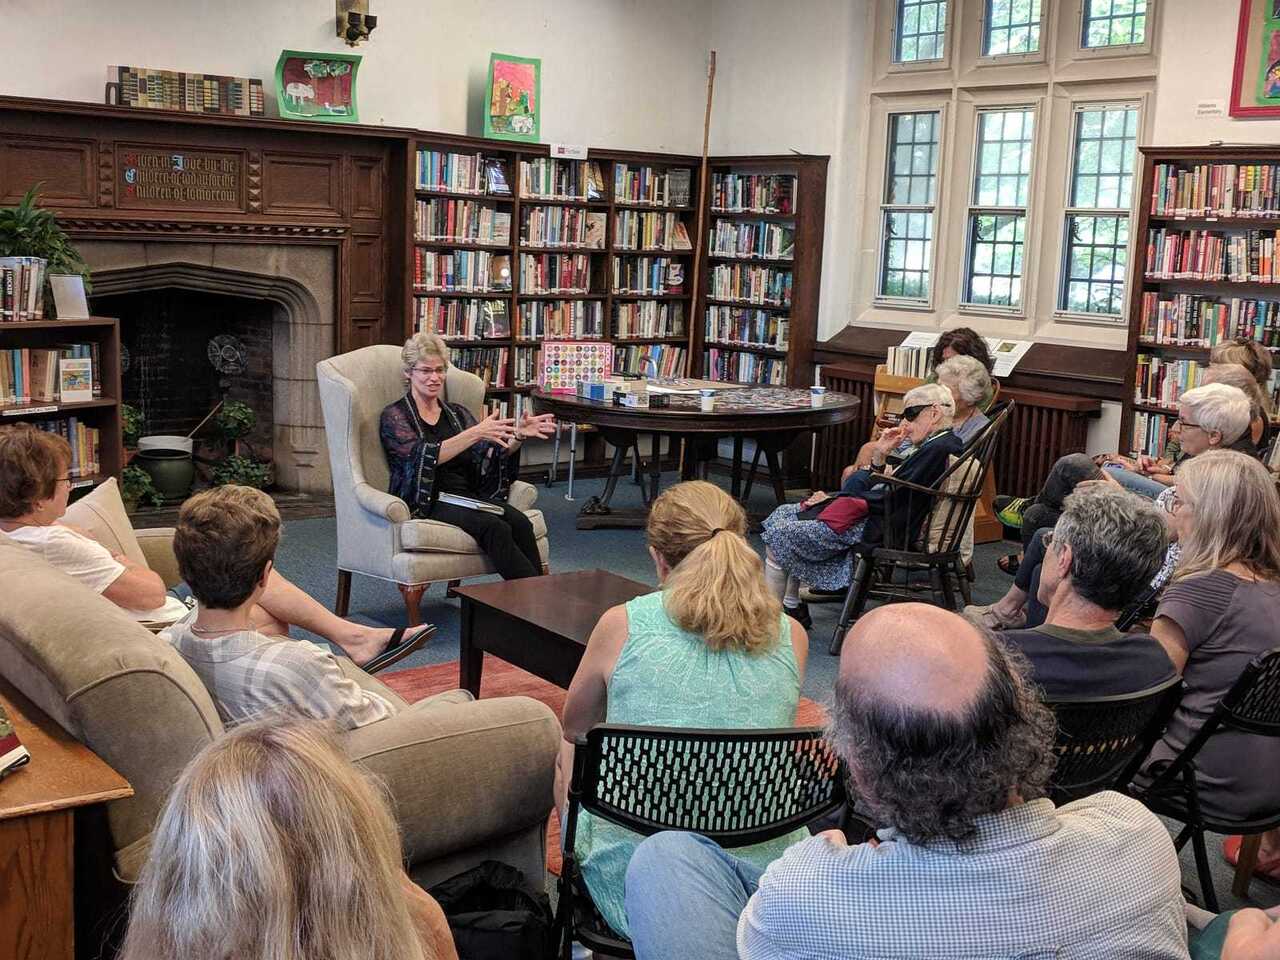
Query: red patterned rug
pixel 501 679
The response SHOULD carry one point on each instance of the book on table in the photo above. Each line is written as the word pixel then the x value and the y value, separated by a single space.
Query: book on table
pixel 12 753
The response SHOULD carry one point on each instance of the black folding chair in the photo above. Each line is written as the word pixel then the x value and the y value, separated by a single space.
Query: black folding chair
pixel 736 787
pixel 924 529
pixel 1252 705
pixel 1102 741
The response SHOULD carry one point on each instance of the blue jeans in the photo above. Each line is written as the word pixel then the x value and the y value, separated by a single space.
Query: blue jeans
pixel 1136 482
pixel 684 897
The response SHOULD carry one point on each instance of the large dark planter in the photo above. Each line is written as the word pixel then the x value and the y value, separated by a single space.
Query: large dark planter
pixel 172 471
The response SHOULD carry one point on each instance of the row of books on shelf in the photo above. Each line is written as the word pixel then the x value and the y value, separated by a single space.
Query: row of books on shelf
pixel 1160 381
pixel 644 230
pixel 1216 190
pixel 459 318
pixel 555 273
pixel 1248 257
pixel 644 184
pixel 909 362
pixel 85 443
pixel 462 173
pixel 460 221
pixel 752 283
pixel 747 326
pixel 487 363
pixel 753 193
pixel 21 289
pixel 648 318
pixel 741 367
pixel 765 240
pixel 562 227
pixel 461 270
pixel 66 373
pixel 1150 432
pixel 561 320
pixel 557 179
pixel 1190 320
pixel 648 275
pixel 671 360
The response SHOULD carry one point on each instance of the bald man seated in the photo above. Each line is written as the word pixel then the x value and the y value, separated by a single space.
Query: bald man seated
pixel 948 749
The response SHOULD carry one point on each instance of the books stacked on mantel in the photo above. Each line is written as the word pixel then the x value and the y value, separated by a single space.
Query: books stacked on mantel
pixel 1210 190
pixel 32 374
pixel 1185 319
pixel 21 289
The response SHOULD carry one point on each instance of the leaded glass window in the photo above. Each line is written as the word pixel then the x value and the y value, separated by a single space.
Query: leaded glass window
pixel 920 30
pixel 1011 27
pixel 907 210
pixel 1114 23
pixel 997 223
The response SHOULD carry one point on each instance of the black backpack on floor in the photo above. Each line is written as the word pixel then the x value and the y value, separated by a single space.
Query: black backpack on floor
pixel 495 915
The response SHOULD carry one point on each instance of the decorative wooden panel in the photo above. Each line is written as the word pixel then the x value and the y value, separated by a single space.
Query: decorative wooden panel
pixel 367 186
pixel 64 168
pixel 366 270
pixel 301 185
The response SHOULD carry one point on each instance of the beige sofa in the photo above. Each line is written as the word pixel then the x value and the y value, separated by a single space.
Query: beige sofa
pixel 470 780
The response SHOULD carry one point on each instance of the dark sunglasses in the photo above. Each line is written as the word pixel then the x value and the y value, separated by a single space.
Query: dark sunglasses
pixel 910 413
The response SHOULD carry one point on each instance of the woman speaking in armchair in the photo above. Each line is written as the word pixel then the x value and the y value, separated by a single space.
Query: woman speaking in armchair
pixel 436 447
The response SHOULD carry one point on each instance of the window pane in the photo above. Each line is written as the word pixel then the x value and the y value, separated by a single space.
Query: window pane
pixel 1114 23
pixel 994 272
pixel 1013 26
pixel 919 30
pixel 1004 158
pixel 913 158
pixel 1096 264
pixel 1105 145
pixel 908 240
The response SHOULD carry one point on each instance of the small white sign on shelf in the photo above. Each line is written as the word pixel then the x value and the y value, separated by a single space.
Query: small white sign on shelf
pixel 1006 354
pixel 568 151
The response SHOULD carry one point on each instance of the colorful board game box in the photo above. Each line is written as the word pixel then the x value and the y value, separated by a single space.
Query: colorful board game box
pixel 566 363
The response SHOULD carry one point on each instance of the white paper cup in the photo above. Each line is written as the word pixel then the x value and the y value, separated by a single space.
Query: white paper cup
pixel 816 396
pixel 706 400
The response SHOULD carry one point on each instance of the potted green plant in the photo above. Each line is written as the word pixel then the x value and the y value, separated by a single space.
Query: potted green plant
pixel 29 230
pixel 131 426
pixel 235 420
pixel 137 489
pixel 242 470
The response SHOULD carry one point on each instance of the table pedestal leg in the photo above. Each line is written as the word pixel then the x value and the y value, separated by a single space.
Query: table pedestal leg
pixel 736 485
pixel 616 469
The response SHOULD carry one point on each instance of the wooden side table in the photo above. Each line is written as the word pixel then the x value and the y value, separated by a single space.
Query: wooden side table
pixel 38 803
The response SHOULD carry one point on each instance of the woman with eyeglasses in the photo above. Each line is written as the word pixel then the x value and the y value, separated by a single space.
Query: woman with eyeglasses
pixel 434 446
pixel 1218 613
pixel 810 550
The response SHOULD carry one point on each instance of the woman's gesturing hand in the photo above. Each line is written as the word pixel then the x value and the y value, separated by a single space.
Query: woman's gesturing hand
pixel 497 429
pixel 539 427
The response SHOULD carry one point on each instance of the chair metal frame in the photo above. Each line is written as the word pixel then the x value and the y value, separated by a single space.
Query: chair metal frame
pixel 806 776
pixel 1252 705
pixel 905 546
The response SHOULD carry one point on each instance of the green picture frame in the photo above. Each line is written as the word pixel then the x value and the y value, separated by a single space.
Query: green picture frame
pixel 513 98
pixel 317 86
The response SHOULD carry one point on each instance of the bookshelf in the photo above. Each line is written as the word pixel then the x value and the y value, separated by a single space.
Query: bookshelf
pixel 592 250
pixel 762 269
pixel 1205 258
pixel 101 413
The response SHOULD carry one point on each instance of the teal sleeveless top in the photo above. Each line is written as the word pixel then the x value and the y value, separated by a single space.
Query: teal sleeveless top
pixel 667 677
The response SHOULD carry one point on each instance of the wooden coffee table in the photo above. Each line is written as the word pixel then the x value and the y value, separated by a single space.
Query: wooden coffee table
pixel 539 624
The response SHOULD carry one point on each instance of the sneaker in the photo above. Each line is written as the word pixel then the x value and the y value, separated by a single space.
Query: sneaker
pixel 814 595
pixel 986 616
pixel 1009 510
pixel 799 614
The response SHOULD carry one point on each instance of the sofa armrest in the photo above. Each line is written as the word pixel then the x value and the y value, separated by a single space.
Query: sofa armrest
pixel 381 504
pixel 522 495
pixel 462 775
pixel 157 548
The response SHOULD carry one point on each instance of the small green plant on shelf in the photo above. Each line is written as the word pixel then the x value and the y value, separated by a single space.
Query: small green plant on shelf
pixel 131 424
pixel 244 471
pixel 138 490
pixel 235 420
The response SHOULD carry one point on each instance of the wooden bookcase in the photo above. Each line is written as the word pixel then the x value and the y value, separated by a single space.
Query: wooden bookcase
pixel 102 413
pixel 600 305
pixel 803 223
pixel 1229 222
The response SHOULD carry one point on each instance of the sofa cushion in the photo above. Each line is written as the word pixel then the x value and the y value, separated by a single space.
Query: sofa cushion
pixel 101 514
pixel 432 536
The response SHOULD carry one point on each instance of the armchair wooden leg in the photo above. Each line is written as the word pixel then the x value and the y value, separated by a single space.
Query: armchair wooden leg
pixel 343 602
pixel 451 588
pixel 1246 864
pixel 412 594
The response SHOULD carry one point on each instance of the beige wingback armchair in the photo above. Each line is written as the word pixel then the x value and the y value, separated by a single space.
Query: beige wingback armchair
pixel 376 536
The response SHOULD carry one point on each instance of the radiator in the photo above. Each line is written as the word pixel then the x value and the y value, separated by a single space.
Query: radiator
pixel 837 445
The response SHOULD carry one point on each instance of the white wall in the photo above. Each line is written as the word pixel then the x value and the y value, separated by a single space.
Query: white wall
pixel 627 74
pixel 794 77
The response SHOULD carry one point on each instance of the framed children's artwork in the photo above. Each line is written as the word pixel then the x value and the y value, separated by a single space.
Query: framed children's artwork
pixel 317 86
pixel 1255 83
pixel 513 105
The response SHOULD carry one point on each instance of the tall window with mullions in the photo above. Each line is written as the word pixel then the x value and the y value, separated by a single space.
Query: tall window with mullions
pixel 920 31
pixel 1011 27
pixel 1113 23
pixel 997 223
pixel 1096 248
pixel 907 211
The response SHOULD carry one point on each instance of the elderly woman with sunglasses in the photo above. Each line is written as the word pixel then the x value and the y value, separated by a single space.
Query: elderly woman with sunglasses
pixel 810 550
pixel 434 447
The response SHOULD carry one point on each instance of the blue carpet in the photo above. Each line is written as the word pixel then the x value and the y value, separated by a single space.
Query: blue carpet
pixel 309 546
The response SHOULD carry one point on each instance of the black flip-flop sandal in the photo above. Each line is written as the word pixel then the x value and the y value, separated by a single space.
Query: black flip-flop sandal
pixel 398 647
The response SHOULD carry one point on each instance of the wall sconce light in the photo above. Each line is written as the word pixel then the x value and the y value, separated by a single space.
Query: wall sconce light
pixel 355 22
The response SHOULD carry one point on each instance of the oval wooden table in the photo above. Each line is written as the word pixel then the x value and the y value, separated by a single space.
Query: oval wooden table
pixel 771 416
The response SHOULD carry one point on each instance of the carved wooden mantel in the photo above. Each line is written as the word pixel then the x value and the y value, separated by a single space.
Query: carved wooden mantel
pixel 115 173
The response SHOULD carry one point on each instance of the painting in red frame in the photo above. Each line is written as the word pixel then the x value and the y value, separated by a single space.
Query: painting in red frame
pixel 1255 80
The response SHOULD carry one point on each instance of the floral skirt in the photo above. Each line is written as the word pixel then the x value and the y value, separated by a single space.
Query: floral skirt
pixel 809 550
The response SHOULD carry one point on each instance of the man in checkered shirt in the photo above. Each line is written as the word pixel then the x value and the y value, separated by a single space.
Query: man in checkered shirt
pixel 946 742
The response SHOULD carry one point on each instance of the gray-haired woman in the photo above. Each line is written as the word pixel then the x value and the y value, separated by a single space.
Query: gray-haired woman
pixel 970 386
pixel 810 550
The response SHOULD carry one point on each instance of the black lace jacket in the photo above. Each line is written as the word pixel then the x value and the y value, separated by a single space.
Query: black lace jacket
pixel 412 455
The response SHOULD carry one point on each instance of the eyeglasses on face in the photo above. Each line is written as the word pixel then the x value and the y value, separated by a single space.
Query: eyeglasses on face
pixel 1174 503
pixel 429 371
pixel 910 413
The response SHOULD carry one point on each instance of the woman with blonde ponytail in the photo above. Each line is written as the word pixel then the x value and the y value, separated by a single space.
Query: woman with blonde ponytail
pixel 711 648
